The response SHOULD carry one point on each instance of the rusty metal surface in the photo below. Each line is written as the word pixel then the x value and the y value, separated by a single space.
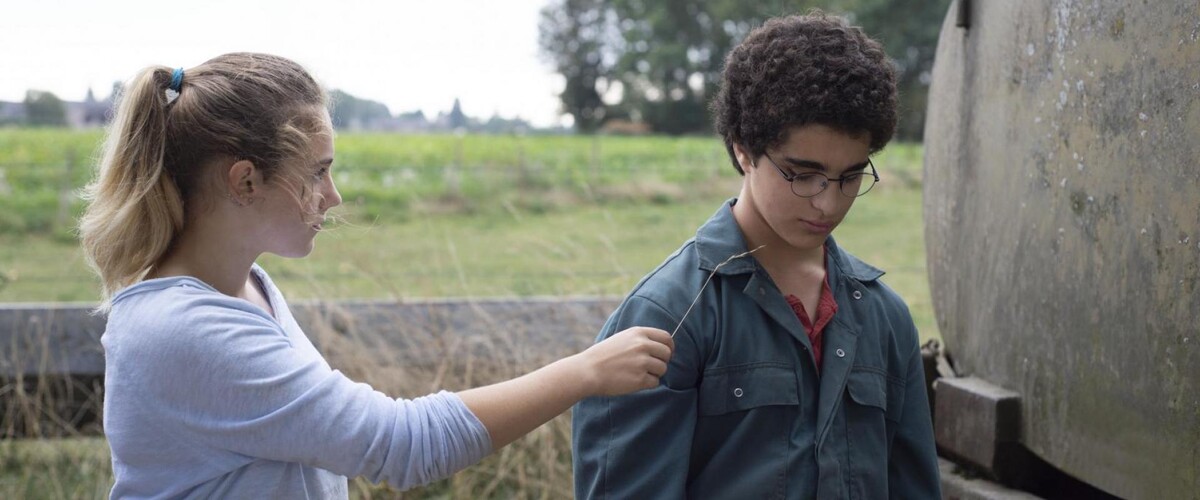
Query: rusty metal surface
pixel 1062 211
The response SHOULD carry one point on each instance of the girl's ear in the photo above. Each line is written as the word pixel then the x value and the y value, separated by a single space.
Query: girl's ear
pixel 242 180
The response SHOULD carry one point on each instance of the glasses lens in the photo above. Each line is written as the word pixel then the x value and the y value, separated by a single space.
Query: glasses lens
pixel 859 184
pixel 809 185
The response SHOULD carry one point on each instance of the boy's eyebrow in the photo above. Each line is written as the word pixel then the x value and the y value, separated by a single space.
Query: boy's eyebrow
pixel 326 162
pixel 816 165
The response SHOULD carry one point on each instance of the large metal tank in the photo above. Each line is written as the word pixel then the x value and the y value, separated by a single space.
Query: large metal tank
pixel 1062 212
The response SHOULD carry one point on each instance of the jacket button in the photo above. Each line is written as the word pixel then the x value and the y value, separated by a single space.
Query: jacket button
pixel 857 295
pixel 737 392
pixel 840 353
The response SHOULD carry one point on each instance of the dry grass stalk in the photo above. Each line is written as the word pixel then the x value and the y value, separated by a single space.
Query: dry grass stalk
pixel 705 285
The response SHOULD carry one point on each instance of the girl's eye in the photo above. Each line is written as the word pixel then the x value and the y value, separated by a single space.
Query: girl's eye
pixel 321 173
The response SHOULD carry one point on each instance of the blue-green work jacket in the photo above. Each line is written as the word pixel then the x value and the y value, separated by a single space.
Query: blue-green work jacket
pixel 741 412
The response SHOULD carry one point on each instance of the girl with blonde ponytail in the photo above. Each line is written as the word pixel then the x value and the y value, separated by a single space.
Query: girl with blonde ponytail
pixel 211 388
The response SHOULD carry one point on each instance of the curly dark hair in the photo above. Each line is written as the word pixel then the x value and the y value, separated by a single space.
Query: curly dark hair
pixel 801 70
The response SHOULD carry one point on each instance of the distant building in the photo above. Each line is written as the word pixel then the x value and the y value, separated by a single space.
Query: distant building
pixel 12 113
pixel 624 127
pixel 90 113
pixel 409 122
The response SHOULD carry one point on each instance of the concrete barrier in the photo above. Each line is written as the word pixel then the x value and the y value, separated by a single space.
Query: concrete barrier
pixel 64 339
pixel 52 362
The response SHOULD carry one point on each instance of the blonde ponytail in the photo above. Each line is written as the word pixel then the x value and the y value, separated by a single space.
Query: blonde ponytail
pixel 134 206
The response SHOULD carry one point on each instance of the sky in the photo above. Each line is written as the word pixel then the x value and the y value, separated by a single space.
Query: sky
pixel 407 54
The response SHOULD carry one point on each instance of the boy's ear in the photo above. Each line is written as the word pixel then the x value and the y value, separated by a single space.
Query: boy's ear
pixel 744 159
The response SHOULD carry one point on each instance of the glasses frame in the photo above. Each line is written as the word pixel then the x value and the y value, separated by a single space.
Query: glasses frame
pixel 825 185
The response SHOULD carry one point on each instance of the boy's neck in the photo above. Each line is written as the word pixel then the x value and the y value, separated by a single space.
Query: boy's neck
pixel 776 253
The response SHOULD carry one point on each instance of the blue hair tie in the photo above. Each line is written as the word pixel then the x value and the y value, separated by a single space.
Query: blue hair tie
pixel 176 80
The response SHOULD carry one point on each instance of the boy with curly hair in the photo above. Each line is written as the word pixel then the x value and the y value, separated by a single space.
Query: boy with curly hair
pixel 796 372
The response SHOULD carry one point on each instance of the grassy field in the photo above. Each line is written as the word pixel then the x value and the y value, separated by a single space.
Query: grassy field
pixel 444 216
pixel 389 178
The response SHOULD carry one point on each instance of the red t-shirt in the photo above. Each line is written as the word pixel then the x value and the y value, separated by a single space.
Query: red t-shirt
pixel 826 308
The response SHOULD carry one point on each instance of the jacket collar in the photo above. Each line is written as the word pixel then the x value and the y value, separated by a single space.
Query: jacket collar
pixel 720 238
pixel 849 265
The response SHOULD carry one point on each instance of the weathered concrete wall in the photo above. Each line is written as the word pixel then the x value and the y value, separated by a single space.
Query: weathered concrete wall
pixel 1062 210
pixel 50 339
pixel 52 362
pixel 63 339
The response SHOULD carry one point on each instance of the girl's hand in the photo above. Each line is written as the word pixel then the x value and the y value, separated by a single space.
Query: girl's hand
pixel 629 361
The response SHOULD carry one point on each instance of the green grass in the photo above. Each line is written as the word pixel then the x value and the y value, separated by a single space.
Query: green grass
pixel 55 469
pixel 390 178
pixel 581 250
pixel 442 215
pixel 386 177
pixel 560 238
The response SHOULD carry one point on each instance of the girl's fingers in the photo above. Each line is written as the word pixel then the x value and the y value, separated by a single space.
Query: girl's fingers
pixel 660 352
pixel 661 336
pixel 657 367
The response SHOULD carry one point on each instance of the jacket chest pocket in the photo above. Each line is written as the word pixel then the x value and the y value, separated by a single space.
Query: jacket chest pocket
pixel 869 389
pixel 746 387
pixel 740 448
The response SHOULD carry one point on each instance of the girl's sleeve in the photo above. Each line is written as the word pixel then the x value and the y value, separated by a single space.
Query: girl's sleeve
pixel 242 387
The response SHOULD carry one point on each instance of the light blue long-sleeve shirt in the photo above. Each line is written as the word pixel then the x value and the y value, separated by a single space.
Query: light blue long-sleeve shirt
pixel 208 395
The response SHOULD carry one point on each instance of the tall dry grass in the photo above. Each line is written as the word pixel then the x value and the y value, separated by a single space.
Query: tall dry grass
pixel 50 423
pixel 48 420
pixel 438 352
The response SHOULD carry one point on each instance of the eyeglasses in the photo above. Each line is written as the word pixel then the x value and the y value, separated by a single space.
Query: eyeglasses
pixel 809 184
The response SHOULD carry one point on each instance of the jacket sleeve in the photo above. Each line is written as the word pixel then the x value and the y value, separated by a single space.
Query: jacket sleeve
pixel 638 445
pixel 912 464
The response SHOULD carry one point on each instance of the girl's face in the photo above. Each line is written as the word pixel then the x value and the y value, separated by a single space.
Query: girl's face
pixel 292 215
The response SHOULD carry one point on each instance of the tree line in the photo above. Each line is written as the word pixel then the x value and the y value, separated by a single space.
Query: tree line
pixel 659 61
pixel 348 112
pixel 38 109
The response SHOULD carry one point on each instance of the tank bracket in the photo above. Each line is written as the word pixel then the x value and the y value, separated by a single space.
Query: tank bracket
pixel 979 423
